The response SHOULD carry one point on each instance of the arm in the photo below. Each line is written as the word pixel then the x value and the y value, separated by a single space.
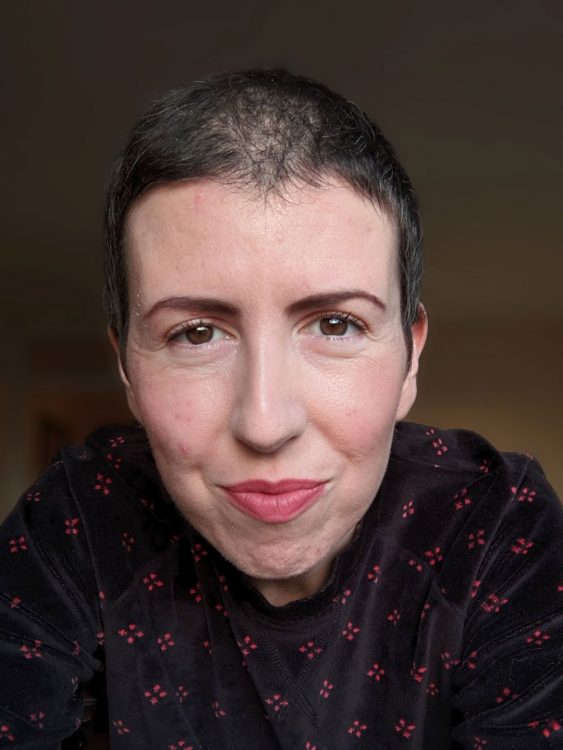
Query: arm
pixel 49 621
pixel 509 689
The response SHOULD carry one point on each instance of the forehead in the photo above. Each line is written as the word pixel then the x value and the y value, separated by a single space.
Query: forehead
pixel 203 233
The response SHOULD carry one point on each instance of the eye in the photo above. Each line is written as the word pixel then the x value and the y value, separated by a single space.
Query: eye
pixel 197 333
pixel 337 325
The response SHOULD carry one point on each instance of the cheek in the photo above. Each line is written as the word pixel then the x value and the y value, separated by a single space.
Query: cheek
pixel 363 435
pixel 182 420
pixel 361 408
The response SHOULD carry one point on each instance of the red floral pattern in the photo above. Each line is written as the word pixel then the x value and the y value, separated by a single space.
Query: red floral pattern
pixel 429 558
pixel 405 728
pixel 155 694
pixel 357 728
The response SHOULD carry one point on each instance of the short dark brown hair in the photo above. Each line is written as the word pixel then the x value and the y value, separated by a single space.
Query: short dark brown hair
pixel 261 130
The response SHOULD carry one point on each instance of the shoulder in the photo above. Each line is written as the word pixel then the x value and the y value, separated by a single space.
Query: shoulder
pixel 468 510
pixel 115 464
pixel 112 470
pixel 448 450
pixel 101 507
pixel 443 465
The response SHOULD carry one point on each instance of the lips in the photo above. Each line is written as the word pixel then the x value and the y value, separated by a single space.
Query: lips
pixel 275 502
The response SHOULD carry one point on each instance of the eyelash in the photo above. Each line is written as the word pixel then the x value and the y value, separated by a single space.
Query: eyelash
pixel 188 325
pixel 191 325
pixel 345 317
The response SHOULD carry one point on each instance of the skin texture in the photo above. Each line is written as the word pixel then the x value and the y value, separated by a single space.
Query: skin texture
pixel 279 387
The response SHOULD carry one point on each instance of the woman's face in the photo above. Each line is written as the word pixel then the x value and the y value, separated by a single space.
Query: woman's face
pixel 267 363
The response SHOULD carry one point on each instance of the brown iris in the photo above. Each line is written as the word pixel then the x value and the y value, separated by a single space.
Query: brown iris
pixel 333 326
pixel 201 334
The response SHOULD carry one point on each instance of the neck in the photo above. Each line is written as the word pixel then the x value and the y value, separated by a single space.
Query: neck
pixel 284 591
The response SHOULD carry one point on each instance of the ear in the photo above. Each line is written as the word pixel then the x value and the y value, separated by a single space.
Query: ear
pixel 419 331
pixel 131 400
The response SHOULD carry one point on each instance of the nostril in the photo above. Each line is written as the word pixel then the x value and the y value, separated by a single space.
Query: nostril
pixel 265 437
pixel 267 430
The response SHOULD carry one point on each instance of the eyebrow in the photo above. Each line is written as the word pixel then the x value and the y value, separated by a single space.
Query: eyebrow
pixel 331 299
pixel 215 306
pixel 204 304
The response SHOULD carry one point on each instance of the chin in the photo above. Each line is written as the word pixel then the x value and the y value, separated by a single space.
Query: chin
pixel 265 569
pixel 276 565
pixel 260 572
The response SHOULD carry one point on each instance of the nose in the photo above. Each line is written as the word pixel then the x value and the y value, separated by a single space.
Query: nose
pixel 269 411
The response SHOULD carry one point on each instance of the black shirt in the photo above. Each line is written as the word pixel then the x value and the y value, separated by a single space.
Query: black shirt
pixel 441 625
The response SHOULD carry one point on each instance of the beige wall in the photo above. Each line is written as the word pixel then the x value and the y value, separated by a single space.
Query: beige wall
pixel 55 391
pixel 503 379
pixel 468 93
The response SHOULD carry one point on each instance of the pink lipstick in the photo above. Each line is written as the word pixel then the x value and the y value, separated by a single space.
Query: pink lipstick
pixel 275 502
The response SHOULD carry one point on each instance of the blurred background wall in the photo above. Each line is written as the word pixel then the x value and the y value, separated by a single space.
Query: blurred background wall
pixel 469 93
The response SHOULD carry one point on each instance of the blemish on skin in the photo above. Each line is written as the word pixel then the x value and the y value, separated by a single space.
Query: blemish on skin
pixel 138 304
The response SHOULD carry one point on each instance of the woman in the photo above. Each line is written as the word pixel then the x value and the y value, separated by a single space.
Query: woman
pixel 270 558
